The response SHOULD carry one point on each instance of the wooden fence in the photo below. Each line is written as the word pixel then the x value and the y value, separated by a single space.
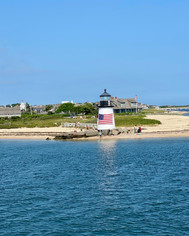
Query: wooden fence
pixel 78 124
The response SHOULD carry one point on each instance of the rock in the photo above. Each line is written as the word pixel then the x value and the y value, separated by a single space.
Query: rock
pixel 91 133
pixel 71 135
pixel 106 132
pixel 110 133
pixel 66 135
pixel 115 132
pixel 121 130
pixel 79 134
pixel 48 138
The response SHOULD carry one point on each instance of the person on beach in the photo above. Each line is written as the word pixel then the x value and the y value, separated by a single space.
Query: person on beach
pixel 81 126
pixel 135 129
pixel 87 127
pixel 100 134
pixel 139 130
pixel 75 125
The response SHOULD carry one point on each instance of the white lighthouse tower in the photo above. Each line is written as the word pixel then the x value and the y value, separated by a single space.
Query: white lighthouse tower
pixel 106 119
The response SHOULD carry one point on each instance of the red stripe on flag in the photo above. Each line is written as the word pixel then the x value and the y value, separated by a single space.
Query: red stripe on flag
pixel 106 120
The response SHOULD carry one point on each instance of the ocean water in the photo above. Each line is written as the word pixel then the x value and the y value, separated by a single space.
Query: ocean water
pixel 136 187
pixel 186 110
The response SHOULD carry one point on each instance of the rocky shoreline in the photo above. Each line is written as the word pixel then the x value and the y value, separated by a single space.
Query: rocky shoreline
pixel 63 135
pixel 88 133
pixel 93 135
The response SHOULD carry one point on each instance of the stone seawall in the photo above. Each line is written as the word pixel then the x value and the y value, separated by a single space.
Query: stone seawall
pixel 71 135
pixel 52 134
pixel 59 135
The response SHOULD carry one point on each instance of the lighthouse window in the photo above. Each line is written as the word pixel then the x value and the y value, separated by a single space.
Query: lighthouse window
pixel 104 98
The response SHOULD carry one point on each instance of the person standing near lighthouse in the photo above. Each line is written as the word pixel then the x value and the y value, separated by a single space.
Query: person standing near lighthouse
pixel 106 119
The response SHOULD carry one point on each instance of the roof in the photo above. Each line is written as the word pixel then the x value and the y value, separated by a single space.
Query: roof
pixel 10 111
pixel 124 103
pixel 132 100
pixel 105 94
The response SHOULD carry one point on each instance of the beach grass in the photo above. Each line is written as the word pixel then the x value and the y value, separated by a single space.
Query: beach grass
pixel 153 111
pixel 132 120
pixel 41 121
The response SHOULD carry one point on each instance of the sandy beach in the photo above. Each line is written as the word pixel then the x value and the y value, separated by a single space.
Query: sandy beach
pixel 168 123
pixel 175 125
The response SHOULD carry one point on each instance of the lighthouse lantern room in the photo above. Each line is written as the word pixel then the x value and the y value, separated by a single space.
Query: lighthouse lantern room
pixel 106 119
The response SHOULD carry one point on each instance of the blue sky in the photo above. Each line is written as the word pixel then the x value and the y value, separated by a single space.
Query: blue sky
pixel 71 50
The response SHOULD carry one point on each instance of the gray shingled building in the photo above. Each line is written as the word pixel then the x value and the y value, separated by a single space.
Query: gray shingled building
pixel 10 111
pixel 123 105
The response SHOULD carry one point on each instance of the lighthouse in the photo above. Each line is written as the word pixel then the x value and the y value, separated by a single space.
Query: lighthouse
pixel 106 119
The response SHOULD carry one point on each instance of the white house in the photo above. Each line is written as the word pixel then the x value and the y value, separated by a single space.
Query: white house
pixel 23 106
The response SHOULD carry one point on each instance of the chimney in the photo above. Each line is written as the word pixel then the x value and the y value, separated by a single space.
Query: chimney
pixel 115 97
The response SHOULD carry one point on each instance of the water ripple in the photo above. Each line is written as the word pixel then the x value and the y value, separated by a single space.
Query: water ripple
pixel 94 188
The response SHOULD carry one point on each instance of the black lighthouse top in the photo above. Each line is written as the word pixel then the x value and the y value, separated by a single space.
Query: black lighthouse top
pixel 105 94
pixel 105 99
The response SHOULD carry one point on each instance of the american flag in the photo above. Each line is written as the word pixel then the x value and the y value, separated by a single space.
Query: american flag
pixel 105 119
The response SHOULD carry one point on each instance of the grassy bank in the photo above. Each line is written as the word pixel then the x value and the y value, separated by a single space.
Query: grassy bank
pixel 132 120
pixel 41 121
pixel 153 111
pixel 55 120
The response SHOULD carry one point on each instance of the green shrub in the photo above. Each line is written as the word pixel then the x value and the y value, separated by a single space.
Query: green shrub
pixel 15 118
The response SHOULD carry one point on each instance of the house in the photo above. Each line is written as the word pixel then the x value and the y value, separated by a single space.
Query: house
pixel 124 105
pixel 144 106
pixel 10 111
pixel 23 106
pixel 67 102
pixel 39 109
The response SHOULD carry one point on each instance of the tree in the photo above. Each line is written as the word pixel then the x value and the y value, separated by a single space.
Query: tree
pixel 27 107
pixel 78 109
pixel 66 107
pixel 48 107
pixel 15 104
pixel 89 108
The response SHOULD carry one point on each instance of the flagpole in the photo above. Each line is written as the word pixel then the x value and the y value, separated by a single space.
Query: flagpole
pixel 136 97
